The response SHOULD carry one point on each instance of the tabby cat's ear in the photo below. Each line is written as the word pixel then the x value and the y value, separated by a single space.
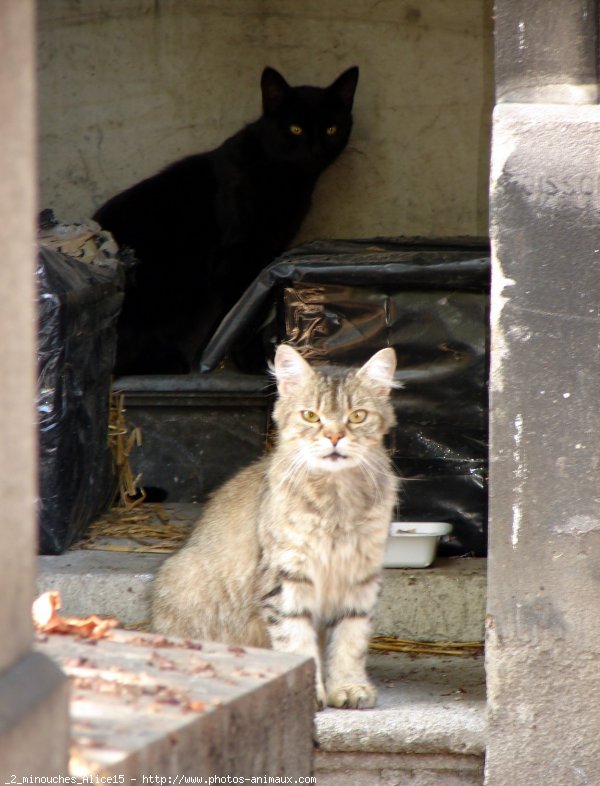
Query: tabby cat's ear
pixel 290 369
pixel 379 370
pixel 274 90
pixel 344 87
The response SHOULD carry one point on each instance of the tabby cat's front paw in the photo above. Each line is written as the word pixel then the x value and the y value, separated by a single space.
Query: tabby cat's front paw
pixel 352 696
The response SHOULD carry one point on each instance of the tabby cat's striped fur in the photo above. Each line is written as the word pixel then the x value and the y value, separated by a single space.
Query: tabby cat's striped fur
pixel 288 552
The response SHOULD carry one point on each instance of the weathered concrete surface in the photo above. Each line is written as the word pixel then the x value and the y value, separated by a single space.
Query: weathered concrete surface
pixel 34 728
pixel 17 323
pixel 544 563
pixel 529 68
pixel 33 697
pixel 428 726
pixel 101 582
pixel 443 603
pixel 379 769
pixel 127 86
pixel 146 705
pixel 430 717
pixel 426 704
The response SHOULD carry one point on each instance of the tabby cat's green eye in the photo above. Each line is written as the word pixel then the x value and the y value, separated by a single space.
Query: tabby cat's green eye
pixel 331 130
pixel 296 130
pixel 310 416
pixel 357 416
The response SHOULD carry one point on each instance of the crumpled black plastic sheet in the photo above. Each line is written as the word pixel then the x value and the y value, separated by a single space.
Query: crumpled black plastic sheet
pixel 451 264
pixel 78 307
pixel 340 301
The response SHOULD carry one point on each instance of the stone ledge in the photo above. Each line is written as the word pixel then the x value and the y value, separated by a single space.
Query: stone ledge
pixel 443 603
pixel 431 710
pixel 428 728
pixel 142 706
pixel 426 705
pixel 146 705
pixel 106 583
pixel 378 769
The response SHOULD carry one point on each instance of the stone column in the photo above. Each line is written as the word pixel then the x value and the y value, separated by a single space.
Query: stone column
pixel 546 51
pixel 544 558
pixel 33 692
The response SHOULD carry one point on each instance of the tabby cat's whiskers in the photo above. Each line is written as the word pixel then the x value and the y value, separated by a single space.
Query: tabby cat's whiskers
pixel 288 552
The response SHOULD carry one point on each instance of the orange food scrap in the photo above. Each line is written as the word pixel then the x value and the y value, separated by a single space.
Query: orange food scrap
pixel 195 706
pixel 47 620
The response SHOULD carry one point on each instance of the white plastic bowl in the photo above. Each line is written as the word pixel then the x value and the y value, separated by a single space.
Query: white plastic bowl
pixel 413 544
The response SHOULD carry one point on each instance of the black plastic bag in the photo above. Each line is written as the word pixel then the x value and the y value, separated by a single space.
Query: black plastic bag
pixel 78 307
pixel 340 301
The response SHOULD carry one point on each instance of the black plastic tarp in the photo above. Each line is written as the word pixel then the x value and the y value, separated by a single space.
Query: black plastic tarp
pixel 339 301
pixel 400 263
pixel 78 307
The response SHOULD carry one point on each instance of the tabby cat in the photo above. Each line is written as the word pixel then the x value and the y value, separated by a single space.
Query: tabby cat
pixel 204 227
pixel 287 554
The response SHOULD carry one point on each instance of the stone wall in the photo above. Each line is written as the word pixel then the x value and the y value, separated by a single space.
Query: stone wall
pixel 34 730
pixel 127 86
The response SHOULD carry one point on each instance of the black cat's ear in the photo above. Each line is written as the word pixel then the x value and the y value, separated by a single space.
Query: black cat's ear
pixel 274 90
pixel 344 87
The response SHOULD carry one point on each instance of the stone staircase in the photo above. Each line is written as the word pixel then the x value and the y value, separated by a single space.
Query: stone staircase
pixel 429 724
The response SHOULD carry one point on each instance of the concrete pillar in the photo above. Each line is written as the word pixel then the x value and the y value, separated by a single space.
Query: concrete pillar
pixel 546 51
pixel 33 692
pixel 544 557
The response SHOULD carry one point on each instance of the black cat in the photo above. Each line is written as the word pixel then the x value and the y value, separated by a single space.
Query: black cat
pixel 204 227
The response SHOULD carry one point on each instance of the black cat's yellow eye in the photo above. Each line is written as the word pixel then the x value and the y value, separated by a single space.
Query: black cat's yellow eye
pixel 331 130
pixel 296 130
pixel 310 416
pixel 358 416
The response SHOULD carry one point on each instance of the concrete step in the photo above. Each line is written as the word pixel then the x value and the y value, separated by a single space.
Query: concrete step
pixel 445 602
pixel 145 709
pixel 429 724
pixel 143 705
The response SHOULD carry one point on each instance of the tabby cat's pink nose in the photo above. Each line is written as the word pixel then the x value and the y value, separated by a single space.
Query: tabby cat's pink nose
pixel 335 438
